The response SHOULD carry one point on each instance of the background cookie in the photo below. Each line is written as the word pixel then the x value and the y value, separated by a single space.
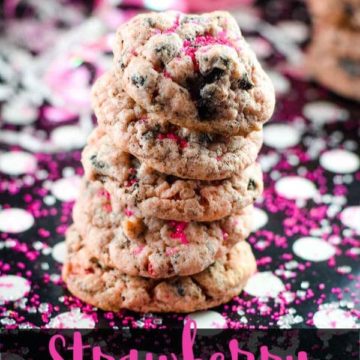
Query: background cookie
pixel 337 41
pixel 132 184
pixel 111 290
pixel 341 13
pixel 338 73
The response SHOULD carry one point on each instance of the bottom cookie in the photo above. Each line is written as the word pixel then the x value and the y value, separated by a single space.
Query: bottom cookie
pixel 111 290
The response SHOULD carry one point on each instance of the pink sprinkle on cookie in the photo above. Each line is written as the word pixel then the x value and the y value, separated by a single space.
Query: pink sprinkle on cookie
pixel 179 227
pixel 175 26
pixel 180 141
pixel 151 270
pixel 128 212
pixel 103 193
pixel 138 250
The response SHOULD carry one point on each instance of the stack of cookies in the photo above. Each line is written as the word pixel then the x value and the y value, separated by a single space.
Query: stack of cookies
pixel 334 55
pixel 171 173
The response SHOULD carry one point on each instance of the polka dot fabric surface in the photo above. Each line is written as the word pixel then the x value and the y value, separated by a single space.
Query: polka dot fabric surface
pixel 306 227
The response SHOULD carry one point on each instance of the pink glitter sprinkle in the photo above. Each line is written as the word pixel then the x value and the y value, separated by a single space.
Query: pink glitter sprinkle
pixel 61 229
pixel 43 233
pixel 190 47
pixel 107 208
pixel 109 315
pixel 138 250
pixel 224 234
pixel 128 212
pixel 103 193
pixel 179 227
pixel 131 182
pixel 264 260
pixel 175 26
pixel 57 114
pixel 151 270
pixel 171 251
pixel 132 172
pixel 167 74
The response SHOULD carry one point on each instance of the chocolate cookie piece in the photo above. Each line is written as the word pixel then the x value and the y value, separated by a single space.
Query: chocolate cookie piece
pixel 131 184
pixel 195 71
pixel 109 289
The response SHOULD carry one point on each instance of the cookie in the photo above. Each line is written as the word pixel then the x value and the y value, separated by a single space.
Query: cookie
pixel 132 184
pixel 166 147
pixel 156 249
pixel 195 71
pixel 336 71
pixel 109 289
pixel 94 207
pixel 338 41
pixel 149 246
pixel 339 13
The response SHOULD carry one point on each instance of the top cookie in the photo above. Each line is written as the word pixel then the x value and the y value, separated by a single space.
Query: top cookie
pixel 195 71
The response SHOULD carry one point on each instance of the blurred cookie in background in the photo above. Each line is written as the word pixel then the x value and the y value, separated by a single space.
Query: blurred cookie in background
pixel 339 73
pixel 333 57
pixel 340 13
